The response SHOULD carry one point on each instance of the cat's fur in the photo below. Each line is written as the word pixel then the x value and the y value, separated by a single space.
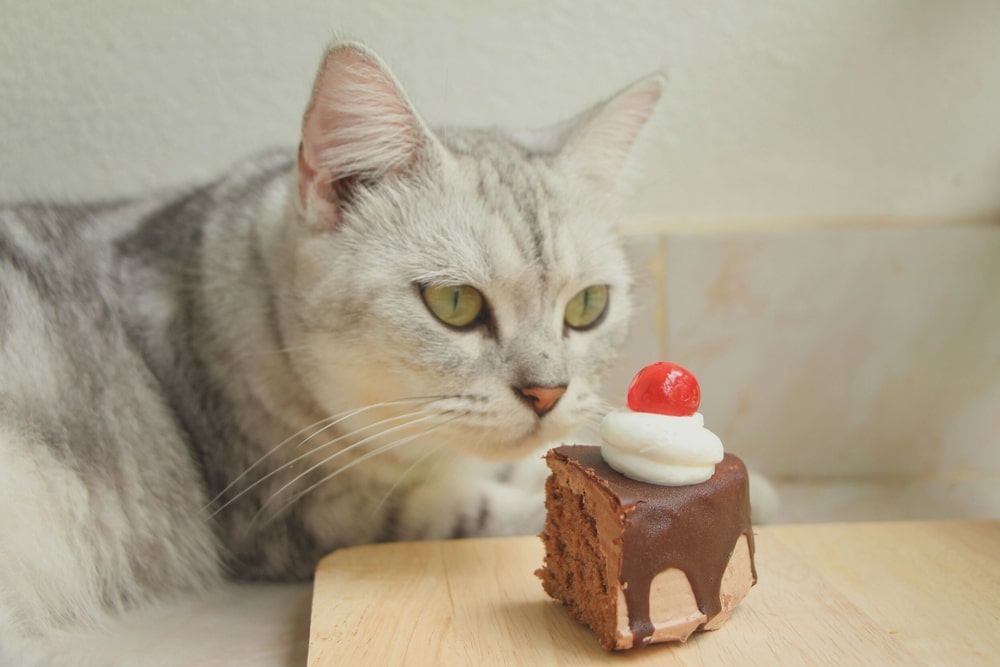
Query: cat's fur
pixel 237 379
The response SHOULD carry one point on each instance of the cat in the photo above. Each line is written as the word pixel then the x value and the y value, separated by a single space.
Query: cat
pixel 351 344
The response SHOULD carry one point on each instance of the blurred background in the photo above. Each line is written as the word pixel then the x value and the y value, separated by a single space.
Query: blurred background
pixel 814 215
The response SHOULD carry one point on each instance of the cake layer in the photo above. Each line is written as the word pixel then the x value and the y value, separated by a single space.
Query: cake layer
pixel 638 562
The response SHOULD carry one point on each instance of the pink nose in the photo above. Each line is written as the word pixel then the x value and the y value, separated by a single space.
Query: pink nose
pixel 541 399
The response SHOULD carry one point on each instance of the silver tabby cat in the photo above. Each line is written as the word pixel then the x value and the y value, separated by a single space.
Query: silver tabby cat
pixel 312 352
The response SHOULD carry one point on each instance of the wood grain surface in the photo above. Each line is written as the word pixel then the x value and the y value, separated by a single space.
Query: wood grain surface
pixel 904 593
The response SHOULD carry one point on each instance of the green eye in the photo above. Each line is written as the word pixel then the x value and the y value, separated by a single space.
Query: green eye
pixel 586 308
pixel 455 305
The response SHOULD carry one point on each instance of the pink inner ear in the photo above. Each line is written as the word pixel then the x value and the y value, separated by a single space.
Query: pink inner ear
pixel 606 138
pixel 307 174
pixel 316 191
pixel 358 122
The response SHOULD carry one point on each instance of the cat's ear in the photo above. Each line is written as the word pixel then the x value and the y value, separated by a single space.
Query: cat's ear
pixel 600 139
pixel 359 125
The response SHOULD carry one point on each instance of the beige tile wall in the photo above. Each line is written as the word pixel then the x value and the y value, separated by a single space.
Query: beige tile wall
pixel 859 368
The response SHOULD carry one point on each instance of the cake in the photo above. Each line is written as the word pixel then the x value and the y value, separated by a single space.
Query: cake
pixel 645 543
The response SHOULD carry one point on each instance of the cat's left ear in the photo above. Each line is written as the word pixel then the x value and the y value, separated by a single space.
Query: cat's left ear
pixel 601 138
pixel 359 126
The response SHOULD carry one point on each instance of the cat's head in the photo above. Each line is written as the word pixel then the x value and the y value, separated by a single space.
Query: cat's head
pixel 466 283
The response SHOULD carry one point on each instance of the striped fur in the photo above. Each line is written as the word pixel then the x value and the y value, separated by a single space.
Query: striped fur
pixel 236 379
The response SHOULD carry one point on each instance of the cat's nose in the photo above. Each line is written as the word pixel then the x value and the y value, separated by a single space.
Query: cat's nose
pixel 541 399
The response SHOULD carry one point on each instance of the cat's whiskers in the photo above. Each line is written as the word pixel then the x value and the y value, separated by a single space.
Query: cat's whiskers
pixel 590 417
pixel 399 480
pixel 347 466
pixel 340 452
pixel 321 426
pixel 353 413
pixel 288 348
pixel 291 463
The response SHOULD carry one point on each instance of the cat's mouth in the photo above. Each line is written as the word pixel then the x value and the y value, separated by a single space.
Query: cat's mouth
pixel 507 440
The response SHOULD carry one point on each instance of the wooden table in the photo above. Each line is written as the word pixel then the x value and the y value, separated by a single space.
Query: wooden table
pixel 904 593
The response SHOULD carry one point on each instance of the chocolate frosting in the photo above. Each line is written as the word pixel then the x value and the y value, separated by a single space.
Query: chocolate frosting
pixel 693 528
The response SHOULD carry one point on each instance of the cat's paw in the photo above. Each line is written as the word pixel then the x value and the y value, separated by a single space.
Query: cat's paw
pixel 528 473
pixel 475 500
pixel 514 511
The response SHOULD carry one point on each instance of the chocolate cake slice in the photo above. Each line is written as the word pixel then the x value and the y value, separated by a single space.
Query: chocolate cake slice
pixel 642 563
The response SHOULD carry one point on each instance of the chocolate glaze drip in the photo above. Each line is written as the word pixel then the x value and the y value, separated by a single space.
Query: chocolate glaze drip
pixel 693 528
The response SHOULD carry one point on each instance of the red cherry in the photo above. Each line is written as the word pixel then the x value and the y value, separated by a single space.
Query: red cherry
pixel 664 388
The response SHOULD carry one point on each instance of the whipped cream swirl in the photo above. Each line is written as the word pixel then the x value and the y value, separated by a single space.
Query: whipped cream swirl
pixel 660 449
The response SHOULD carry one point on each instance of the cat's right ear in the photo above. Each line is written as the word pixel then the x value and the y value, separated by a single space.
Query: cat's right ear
pixel 359 126
pixel 601 139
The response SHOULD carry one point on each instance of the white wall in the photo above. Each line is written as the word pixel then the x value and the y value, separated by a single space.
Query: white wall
pixel 778 113
pixel 821 111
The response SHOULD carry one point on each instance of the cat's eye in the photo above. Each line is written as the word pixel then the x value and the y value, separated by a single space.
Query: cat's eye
pixel 587 308
pixel 455 305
